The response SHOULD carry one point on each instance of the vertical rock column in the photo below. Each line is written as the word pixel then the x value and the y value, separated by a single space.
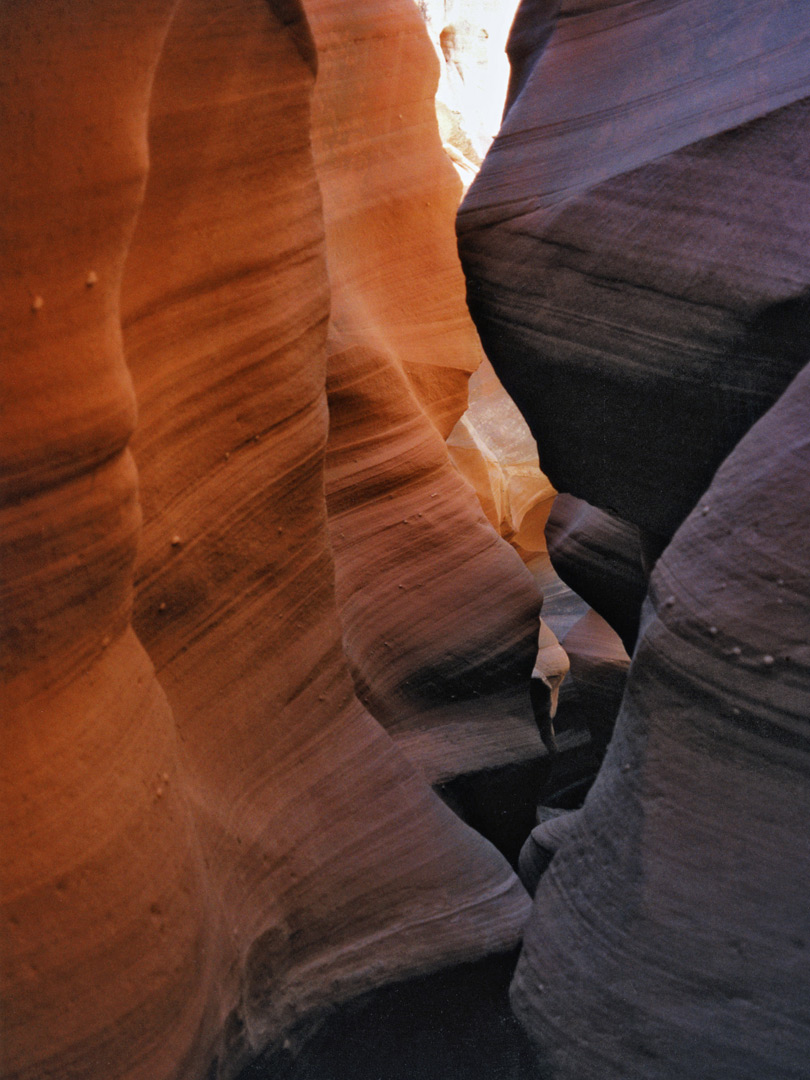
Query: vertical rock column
pixel 106 938
pixel 440 659
pixel 669 935
pixel 338 871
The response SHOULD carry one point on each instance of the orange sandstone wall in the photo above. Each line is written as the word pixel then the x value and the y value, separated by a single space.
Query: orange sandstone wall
pixel 196 875
pixel 442 662
pixel 106 925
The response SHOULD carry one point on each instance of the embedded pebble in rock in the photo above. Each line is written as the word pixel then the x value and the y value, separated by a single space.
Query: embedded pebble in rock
pixel 229 354
pixel 109 932
pixel 635 249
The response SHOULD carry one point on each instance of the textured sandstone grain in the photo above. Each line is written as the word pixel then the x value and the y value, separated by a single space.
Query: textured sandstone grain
pixel 389 198
pixel 669 935
pixel 494 450
pixel 107 930
pixel 441 662
pixel 223 866
pixel 333 862
pixel 638 238
pixel 599 556
pixel 636 254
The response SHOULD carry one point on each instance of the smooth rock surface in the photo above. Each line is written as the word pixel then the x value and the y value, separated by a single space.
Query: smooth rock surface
pixel 442 663
pixel 599 664
pixel 635 248
pixel 189 878
pixel 669 934
pixel 637 235
pixel 599 556
pixel 107 929
pixel 493 448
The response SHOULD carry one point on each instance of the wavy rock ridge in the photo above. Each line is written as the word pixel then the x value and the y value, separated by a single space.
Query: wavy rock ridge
pixel 626 260
pixel 636 253
pixel 207 840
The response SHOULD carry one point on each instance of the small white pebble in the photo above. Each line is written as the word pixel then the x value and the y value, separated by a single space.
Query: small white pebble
pixel 735 711
pixel 37 303
pixel 227 454
pixel 713 630
pixel 669 602
pixel 165 778
pixel 736 651
pixel 91 279
pixel 626 767
pixel 176 541
pixel 768 660
pixel 162 605
pixel 780 581
pixel 159 792
pixel 704 510
pixel 435 493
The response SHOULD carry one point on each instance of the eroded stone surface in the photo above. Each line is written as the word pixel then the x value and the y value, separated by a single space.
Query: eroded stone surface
pixel 108 929
pixel 599 556
pixel 636 256
pixel 200 873
pixel 441 664
pixel 669 933
pixel 638 238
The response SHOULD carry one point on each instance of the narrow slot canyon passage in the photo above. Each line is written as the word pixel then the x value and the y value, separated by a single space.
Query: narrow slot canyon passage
pixel 406 651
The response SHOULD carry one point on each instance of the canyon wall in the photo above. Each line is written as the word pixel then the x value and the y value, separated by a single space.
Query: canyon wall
pixel 637 231
pixel 440 663
pixel 636 255
pixel 208 840
pixel 669 933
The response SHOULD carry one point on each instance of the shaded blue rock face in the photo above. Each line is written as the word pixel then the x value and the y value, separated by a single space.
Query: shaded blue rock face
pixel 636 242
pixel 636 251
pixel 670 934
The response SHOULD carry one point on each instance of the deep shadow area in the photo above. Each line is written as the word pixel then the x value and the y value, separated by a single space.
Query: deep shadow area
pixel 456 1025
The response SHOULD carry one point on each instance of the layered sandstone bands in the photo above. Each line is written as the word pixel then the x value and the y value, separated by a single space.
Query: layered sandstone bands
pixel 441 666
pixel 625 259
pixel 198 876
pixel 100 866
pixel 636 254
pixel 669 933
